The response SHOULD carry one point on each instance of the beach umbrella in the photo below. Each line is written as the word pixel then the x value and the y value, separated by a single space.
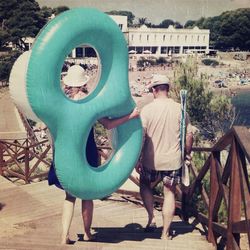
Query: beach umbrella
pixel 132 51
pixel 147 52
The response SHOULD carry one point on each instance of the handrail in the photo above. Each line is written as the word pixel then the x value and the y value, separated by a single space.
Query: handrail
pixel 20 158
pixel 228 186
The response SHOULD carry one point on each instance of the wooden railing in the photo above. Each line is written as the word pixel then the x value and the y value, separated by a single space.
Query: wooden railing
pixel 227 189
pixel 22 158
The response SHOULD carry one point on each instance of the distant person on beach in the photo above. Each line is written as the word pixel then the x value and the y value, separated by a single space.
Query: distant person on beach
pixel 161 154
pixel 76 86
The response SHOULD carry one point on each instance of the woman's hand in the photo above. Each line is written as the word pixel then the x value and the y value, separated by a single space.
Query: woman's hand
pixel 138 167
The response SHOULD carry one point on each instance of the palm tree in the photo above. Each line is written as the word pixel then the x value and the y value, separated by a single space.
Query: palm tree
pixel 142 21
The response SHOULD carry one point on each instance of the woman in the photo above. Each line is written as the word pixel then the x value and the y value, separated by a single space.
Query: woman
pixel 76 88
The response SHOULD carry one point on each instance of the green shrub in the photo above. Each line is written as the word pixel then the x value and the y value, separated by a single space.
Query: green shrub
pixel 161 60
pixel 210 62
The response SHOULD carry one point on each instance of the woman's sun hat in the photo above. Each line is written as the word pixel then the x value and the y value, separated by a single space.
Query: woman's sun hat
pixel 76 76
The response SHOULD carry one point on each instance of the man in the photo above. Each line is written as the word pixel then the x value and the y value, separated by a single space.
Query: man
pixel 161 153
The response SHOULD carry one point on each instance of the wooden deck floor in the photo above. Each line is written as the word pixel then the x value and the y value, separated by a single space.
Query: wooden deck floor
pixel 30 218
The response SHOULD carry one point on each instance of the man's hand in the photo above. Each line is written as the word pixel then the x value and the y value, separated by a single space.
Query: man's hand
pixel 135 113
pixel 188 159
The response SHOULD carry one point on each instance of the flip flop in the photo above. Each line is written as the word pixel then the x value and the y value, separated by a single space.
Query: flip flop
pixel 150 228
pixel 92 238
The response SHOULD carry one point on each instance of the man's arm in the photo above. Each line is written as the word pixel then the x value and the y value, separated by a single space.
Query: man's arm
pixel 189 144
pixel 113 123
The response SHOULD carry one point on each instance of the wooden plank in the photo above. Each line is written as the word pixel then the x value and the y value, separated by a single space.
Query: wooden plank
pixel 217 227
pixel 221 193
pixel 243 138
pixel 245 195
pixel 241 226
pixel 223 141
pixel 234 208
pixel 214 188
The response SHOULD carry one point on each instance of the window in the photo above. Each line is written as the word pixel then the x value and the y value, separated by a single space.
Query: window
pixel 140 37
pixel 185 38
pixel 176 50
pixel 79 52
pixel 164 37
pixel 198 38
pixel 120 26
pixel 147 37
pixel 163 50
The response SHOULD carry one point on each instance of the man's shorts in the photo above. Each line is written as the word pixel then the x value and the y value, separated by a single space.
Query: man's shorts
pixel 169 178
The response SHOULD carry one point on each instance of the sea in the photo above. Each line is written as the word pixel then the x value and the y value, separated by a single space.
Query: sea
pixel 241 103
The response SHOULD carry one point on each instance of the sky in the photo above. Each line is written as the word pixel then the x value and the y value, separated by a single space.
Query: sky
pixel 157 10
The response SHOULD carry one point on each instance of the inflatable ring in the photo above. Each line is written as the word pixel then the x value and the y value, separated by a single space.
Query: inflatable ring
pixel 71 121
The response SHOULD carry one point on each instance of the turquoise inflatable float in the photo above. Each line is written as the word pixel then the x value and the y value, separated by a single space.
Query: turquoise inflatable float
pixel 71 121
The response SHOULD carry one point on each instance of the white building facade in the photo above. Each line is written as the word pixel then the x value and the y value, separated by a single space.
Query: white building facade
pixel 167 41
pixel 159 42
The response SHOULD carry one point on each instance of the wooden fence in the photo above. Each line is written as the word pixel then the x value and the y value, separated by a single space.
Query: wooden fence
pixel 22 158
pixel 228 189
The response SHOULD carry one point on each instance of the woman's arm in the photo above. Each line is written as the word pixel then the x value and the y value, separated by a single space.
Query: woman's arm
pixel 112 123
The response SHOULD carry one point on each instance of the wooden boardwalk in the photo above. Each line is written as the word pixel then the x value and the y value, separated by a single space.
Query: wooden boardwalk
pixel 30 219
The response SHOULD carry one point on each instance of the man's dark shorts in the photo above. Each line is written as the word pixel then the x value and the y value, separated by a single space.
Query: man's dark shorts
pixel 169 178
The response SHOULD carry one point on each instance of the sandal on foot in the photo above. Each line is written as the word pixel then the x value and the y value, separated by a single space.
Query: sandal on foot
pixel 150 227
pixel 91 238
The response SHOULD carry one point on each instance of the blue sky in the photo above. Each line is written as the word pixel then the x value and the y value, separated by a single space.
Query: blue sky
pixel 157 10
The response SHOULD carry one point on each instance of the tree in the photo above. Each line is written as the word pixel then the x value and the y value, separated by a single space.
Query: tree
pixel 189 24
pixel 212 114
pixel 229 30
pixel 46 12
pixel 142 21
pixel 165 23
pixel 19 19
pixel 6 62
pixel 56 11
pixel 129 14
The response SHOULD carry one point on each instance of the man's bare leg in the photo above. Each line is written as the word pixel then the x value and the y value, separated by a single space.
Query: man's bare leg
pixel 148 200
pixel 67 215
pixel 168 210
pixel 87 216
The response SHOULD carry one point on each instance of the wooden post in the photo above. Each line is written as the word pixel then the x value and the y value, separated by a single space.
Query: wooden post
pixel 1 159
pixel 214 188
pixel 235 199
pixel 245 187
pixel 26 162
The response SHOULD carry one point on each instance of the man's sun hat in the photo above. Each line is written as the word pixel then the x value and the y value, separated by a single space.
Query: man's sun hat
pixel 158 80
pixel 76 76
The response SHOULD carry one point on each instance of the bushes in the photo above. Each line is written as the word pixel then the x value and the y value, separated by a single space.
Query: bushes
pixel 6 63
pixel 210 62
pixel 143 62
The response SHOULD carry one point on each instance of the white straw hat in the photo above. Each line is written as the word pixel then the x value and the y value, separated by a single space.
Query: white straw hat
pixel 75 77
pixel 158 80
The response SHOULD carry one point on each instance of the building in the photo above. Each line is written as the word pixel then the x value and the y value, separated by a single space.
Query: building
pixel 157 41
pixel 167 41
